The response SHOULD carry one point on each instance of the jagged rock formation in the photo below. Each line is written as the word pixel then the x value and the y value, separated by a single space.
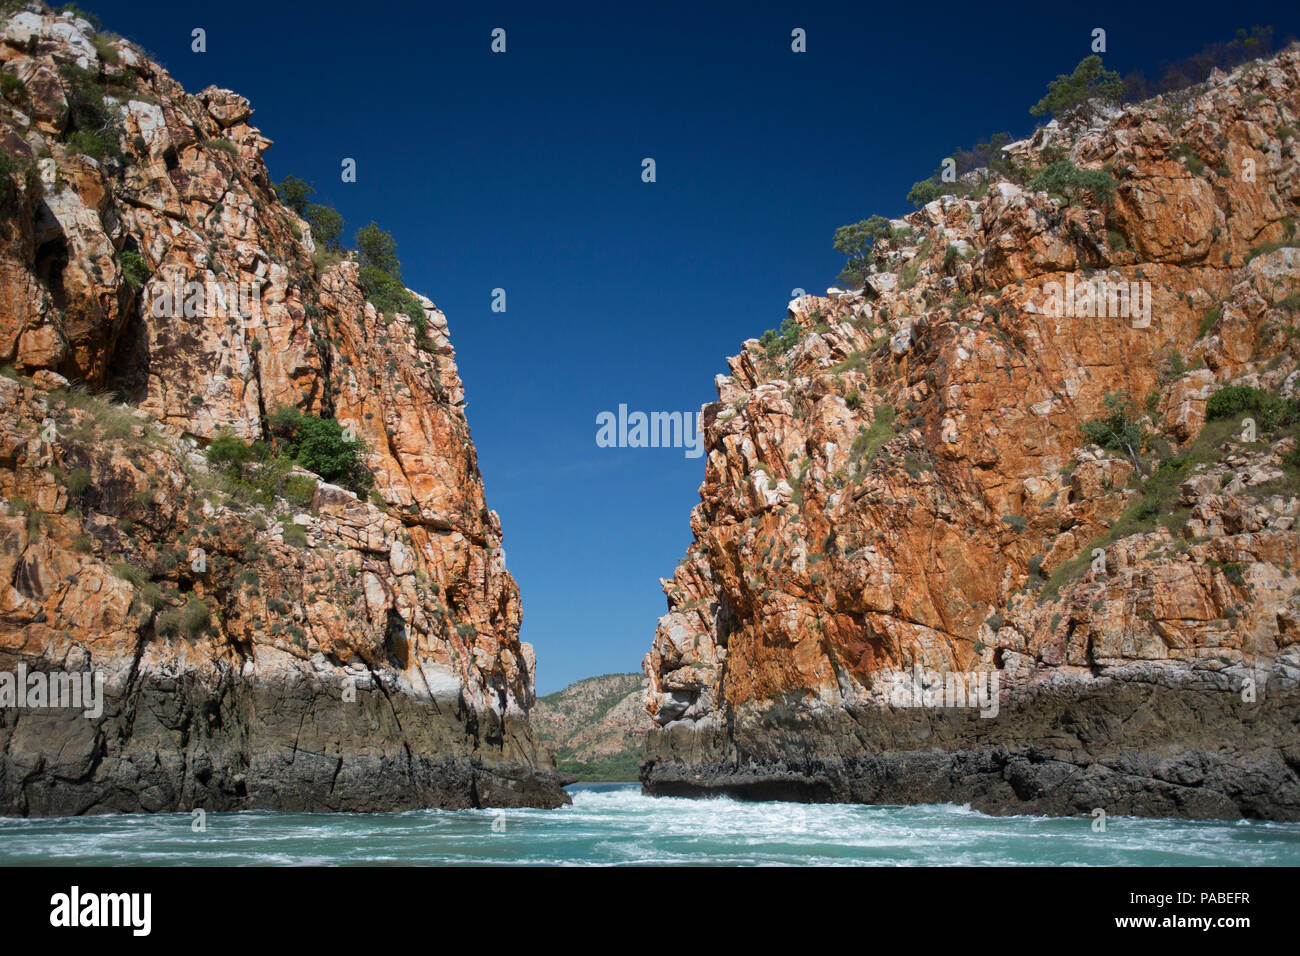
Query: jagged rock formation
pixel 333 652
pixel 902 486
pixel 597 726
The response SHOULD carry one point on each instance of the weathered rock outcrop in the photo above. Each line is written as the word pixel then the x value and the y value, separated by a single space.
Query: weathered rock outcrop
pixel 324 651
pixel 898 491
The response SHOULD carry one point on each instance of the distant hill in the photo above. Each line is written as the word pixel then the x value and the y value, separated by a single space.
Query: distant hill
pixel 596 726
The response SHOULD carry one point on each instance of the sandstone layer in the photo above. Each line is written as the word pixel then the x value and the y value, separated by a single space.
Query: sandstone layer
pixel 332 652
pixel 902 486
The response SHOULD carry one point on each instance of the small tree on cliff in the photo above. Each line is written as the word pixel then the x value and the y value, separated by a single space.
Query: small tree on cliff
pixel 295 193
pixel 1118 429
pixel 326 223
pixel 1071 94
pixel 381 279
pixel 857 242
pixel 320 445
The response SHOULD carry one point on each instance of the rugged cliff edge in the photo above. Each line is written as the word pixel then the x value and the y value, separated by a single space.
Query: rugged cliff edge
pixel 958 472
pixel 303 648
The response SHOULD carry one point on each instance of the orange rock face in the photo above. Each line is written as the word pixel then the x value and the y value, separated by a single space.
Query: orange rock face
pixel 331 652
pixel 903 486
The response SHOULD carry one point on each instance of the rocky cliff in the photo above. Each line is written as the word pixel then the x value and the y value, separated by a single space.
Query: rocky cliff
pixel 291 644
pixel 986 530
pixel 596 726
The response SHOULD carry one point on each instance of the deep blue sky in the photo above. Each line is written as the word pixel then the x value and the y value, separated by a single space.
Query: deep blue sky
pixel 523 171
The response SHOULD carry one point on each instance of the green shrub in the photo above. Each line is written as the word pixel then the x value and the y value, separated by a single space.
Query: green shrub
pixel 1264 248
pixel 11 166
pixel 78 481
pixel 1270 411
pixel 106 47
pixel 1233 571
pixel 870 440
pixel 295 193
pixel 1118 429
pixel 151 596
pixel 134 268
pixel 130 573
pixel 1208 321
pixel 223 144
pixel 1067 180
pixel 89 118
pixel 230 453
pixel 97 146
pixel 776 343
pixel 190 621
pixel 12 88
pixel 326 225
pixel 381 279
pixel 300 490
pixel 1190 159
pixel 295 536
pixel 316 444
pixel 319 445
pixel 928 190
pixel 857 241
pixel 1068 94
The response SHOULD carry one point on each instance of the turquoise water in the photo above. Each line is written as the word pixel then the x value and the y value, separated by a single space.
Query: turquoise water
pixel 615 824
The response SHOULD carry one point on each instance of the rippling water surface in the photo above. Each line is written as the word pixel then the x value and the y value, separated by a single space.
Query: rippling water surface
pixel 615 824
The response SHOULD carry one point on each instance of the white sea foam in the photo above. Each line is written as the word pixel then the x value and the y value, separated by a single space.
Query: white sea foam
pixel 618 826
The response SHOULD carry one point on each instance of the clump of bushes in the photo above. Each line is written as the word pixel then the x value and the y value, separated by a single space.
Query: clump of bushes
pixel 12 88
pixel 11 167
pixel 1118 429
pixel 77 482
pixel 870 440
pixel 1074 184
pixel 294 535
pixel 1269 411
pixel 987 156
pixel 89 127
pixel 190 621
pixel 381 279
pixel 326 224
pixel 225 145
pixel 1073 94
pixel 857 241
pixel 134 268
pixel 319 445
pixel 775 342
pixel 295 438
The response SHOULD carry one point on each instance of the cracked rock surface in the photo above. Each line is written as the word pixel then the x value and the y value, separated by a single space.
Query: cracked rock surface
pixel 899 484
pixel 335 652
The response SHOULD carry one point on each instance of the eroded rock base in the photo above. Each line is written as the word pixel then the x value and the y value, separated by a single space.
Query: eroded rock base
pixel 1129 750
pixel 176 745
